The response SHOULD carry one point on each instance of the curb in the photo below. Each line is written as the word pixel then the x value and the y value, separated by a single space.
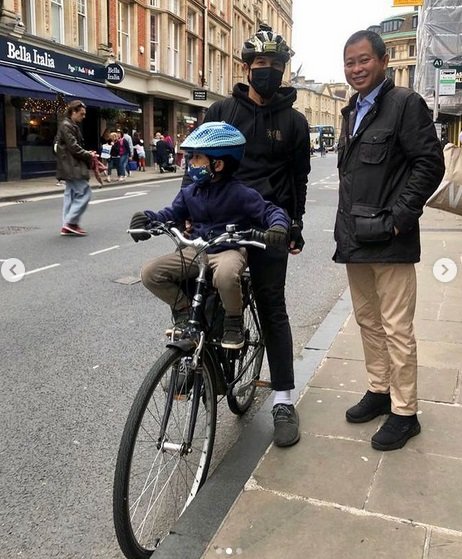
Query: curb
pixel 202 519
pixel 51 191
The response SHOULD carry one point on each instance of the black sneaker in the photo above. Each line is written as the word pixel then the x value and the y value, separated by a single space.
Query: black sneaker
pixel 233 334
pixel 180 319
pixel 395 432
pixel 370 406
pixel 286 431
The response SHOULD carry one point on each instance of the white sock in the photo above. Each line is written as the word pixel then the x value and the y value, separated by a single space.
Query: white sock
pixel 282 397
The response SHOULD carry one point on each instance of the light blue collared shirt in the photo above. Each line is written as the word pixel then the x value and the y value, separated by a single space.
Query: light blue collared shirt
pixel 363 105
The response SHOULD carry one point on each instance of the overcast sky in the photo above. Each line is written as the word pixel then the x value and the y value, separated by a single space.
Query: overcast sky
pixel 321 28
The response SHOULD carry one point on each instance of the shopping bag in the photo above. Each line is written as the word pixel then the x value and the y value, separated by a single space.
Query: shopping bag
pixel 453 163
pixel 448 195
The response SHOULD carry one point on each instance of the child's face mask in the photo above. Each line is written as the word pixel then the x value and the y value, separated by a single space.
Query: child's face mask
pixel 200 175
pixel 199 169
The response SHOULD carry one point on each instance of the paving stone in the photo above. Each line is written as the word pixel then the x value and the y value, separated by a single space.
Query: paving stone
pixel 323 468
pixel 451 311
pixel 438 331
pixel 419 486
pixel 443 546
pixel 303 530
pixel 438 385
pixel 427 310
pixel 439 354
pixel 322 412
pixel 341 374
pixel 347 346
pixel 440 430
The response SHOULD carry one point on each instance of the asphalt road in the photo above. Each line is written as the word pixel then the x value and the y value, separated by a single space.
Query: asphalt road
pixel 76 343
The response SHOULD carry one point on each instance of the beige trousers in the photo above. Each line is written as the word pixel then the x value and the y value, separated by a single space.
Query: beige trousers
pixel 163 275
pixel 384 298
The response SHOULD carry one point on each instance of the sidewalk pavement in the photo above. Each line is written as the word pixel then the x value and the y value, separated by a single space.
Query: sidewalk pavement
pixel 25 188
pixel 333 496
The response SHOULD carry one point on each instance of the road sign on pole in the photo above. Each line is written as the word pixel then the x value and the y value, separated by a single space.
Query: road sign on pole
pixel 448 81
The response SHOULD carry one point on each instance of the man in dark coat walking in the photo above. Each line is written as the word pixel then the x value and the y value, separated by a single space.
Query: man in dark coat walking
pixel 390 162
pixel 73 166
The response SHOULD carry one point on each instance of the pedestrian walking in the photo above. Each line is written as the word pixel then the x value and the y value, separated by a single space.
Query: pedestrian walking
pixel 126 136
pixel 105 155
pixel 390 161
pixel 141 155
pixel 276 163
pixel 73 166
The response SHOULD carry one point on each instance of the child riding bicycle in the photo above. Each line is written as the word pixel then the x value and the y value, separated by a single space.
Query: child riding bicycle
pixel 213 200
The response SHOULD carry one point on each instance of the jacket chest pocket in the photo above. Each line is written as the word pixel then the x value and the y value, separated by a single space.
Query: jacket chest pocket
pixel 371 225
pixel 373 146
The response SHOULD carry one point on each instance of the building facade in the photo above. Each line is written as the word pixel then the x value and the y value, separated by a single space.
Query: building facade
pixel 148 65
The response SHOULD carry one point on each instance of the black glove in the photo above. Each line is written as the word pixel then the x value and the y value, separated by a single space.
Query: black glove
pixel 296 241
pixel 139 221
pixel 276 236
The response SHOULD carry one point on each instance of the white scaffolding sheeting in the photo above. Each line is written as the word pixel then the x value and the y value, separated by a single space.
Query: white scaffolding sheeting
pixel 439 36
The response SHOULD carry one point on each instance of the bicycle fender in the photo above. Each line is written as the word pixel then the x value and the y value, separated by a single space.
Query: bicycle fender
pixel 187 346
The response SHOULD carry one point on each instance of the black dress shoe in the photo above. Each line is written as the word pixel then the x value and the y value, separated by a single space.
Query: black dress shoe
pixel 395 432
pixel 370 406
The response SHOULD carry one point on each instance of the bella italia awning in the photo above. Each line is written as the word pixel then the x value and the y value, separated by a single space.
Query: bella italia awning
pixel 16 83
pixel 91 95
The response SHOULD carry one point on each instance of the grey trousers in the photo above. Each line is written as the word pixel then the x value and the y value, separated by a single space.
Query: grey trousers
pixel 162 276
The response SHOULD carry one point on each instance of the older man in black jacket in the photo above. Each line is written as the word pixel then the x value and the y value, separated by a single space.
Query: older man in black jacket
pixel 73 166
pixel 390 162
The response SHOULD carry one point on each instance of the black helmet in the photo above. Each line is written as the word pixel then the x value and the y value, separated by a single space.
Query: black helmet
pixel 267 42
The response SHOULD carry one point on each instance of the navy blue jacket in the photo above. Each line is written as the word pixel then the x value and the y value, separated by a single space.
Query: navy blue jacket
pixel 212 207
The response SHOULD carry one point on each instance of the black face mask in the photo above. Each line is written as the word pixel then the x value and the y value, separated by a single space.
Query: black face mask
pixel 266 81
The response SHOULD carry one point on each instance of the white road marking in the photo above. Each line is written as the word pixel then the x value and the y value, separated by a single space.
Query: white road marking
pixel 125 197
pixel 103 250
pixel 41 269
pixel 328 230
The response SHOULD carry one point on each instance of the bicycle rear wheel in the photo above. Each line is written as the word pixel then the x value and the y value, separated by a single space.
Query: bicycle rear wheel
pixel 156 475
pixel 249 360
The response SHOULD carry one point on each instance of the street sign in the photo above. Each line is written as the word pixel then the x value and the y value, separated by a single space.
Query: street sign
pixel 399 3
pixel 438 63
pixel 448 82
pixel 199 95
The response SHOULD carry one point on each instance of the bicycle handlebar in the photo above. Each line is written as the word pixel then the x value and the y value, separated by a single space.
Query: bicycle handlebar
pixel 231 236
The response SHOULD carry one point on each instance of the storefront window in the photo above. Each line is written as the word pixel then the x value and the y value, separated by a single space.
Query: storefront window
pixel 37 131
pixel 186 121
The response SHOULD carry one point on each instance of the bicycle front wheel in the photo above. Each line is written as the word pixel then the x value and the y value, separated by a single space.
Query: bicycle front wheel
pixel 157 474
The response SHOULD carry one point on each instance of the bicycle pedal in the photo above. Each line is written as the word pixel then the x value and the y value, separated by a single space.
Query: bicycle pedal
pixel 263 383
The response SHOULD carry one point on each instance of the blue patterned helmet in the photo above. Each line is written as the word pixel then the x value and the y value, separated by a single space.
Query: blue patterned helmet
pixel 215 139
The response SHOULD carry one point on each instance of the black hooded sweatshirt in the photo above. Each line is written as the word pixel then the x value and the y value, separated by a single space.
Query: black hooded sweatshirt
pixel 277 159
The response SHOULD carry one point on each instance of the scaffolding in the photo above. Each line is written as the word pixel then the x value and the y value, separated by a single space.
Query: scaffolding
pixel 439 37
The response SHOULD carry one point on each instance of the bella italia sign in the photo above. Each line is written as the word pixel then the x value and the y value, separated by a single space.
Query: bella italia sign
pixel 32 58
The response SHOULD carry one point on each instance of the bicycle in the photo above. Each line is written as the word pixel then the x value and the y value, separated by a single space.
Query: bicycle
pixel 168 439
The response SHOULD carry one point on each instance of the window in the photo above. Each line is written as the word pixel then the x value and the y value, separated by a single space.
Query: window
pixel 123 35
pixel 392 52
pixel 154 43
pixel 174 6
pixel 390 73
pixel 191 22
pixel 190 58
pixel 411 76
pixel 411 51
pixel 153 3
pixel 57 20
pixel 28 15
pixel 82 24
pixel 173 49
pixel 415 21
pixel 391 25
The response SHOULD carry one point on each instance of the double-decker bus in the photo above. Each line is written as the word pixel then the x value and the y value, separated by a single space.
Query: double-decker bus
pixel 321 134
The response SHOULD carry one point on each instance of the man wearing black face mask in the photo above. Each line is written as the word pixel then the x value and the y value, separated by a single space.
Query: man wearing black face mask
pixel 276 163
